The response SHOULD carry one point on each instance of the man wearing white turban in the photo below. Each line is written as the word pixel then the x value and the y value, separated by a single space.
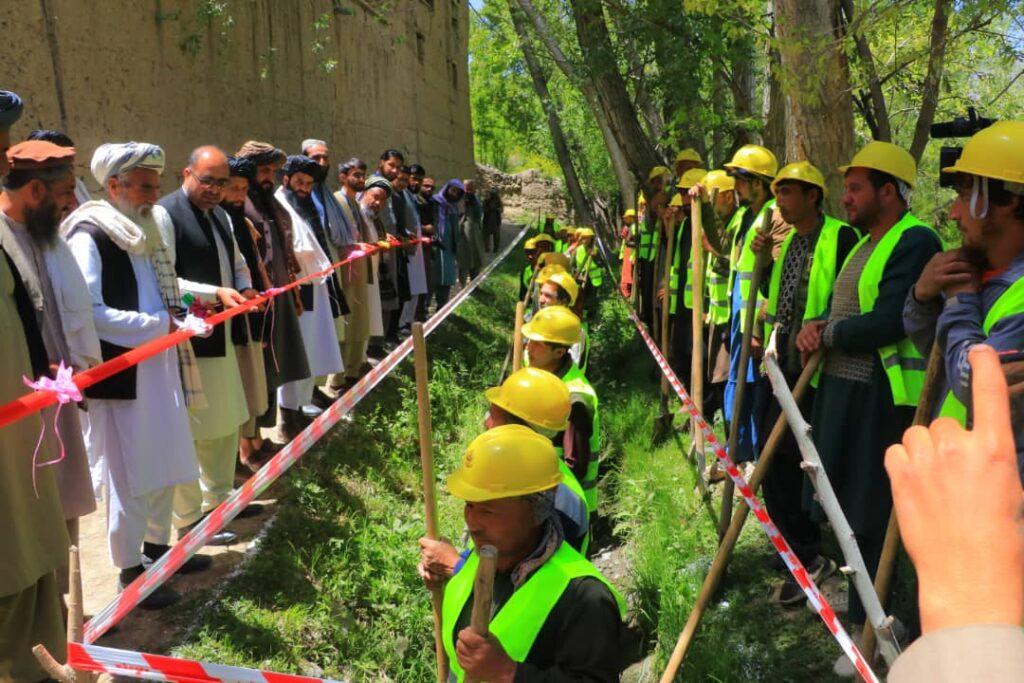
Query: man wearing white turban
pixel 140 438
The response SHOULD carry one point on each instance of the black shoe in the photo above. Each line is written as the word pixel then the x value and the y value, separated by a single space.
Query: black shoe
pixel 163 596
pixel 320 399
pixel 151 552
pixel 250 510
pixel 223 537
pixel 291 423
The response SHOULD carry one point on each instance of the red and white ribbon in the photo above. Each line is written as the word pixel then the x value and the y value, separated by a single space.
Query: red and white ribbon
pixel 172 560
pixel 796 568
pixel 161 668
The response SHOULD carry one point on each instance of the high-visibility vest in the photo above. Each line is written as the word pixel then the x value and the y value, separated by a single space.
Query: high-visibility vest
pixel 902 363
pixel 1010 302
pixel 717 287
pixel 571 485
pixel 744 258
pixel 581 391
pixel 821 279
pixel 553 231
pixel 519 620
pixel 527 277
pixel 673 273
pixel 649 240
pixel 594 275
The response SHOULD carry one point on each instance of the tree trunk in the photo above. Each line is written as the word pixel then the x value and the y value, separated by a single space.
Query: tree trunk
pixel 741 83
pixel 776 119
pixel 815 79
pixel 540 86
pixel 624 178
pixel 596 45
pixel 932 79
pixel 878 119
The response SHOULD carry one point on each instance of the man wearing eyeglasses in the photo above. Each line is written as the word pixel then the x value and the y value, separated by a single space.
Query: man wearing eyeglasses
pixel 201 244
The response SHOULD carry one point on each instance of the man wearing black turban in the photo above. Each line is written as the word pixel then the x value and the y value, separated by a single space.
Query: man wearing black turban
pixel 10 111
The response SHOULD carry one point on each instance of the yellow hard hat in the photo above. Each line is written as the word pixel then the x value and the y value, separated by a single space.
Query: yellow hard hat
pixel 547 271
pixel 585 232
pixel 887 158
pixel 691 178
pixel 754 159
pixel 566 281
pixel 677 199
pixel 689 154
pixel 658 171
pixel 542 237
pixel 640 198
pixel 549 216
pixel 554 325
pixel 535 396
pixel 719 180
pixel 549 257
pixel 630 213
pixel 505 462
pixel 530 243
pixel 805 172
pixel 996 152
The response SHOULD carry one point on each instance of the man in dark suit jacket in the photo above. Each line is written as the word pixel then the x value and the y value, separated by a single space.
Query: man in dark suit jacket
pixel 210 267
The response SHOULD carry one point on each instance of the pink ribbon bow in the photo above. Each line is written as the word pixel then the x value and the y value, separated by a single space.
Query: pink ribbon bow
pixel 66 391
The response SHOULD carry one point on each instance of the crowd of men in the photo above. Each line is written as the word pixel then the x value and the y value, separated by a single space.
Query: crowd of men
pixel 86 279
pixel 865 298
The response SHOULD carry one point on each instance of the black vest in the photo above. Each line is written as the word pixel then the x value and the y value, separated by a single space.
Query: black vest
pixel 121 291
pixel 198 259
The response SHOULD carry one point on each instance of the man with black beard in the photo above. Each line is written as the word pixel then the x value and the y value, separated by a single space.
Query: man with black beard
pixel 395 262
pixel 322 299
pixel 421 189
pixel 38 192
pixel 253 450
pixel 359 278
pixel 285 353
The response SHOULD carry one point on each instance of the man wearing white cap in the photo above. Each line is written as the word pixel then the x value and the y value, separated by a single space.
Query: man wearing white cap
pixel 140 437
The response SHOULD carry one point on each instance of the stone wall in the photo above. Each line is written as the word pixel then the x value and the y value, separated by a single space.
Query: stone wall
pixel 527 195
pixel 186 72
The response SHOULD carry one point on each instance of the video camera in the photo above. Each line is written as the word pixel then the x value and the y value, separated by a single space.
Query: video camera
pixel 960 127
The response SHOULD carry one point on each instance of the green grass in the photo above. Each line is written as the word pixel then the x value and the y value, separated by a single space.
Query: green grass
pixel 333 589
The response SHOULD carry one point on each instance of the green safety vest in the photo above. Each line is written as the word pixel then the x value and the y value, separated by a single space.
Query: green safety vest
pixel 580 390
pixel 1010 302
pixel 594 276
pixel 822 276
pixel 742 265
pixel 673 273
pixel 519 620
pixel 903 365
pixel 570 482
pixel 647 247
pixel 541 228
pixel 717 288
pixel 527 276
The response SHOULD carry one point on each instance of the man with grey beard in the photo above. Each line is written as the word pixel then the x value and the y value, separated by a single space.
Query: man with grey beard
pixel 140 436
pixel 37 192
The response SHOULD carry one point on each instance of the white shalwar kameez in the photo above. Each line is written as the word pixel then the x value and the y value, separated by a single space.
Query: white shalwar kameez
pixel 319 335
pixel 143 447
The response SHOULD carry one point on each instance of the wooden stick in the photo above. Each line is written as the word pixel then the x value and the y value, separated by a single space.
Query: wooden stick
pixel 483 592
pixel 697 354
pixel 54 670
pixel 741 386
pixel 666 280
pixel 517 337
pixel 732 535
pixel 855 567
pixel 933 381
pixel 429 496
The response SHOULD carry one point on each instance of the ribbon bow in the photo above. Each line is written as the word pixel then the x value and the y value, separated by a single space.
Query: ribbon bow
pixel 64 388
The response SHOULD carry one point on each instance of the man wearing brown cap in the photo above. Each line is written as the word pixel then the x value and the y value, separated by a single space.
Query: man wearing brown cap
pixel 34 540
pixel 285 354
pixel 38 190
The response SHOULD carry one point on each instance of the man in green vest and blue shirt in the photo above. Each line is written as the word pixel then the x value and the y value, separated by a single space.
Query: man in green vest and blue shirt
pixel 798 289
pixel 555 616
pixel 754 168
pixel 872 376
pixel 975 294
